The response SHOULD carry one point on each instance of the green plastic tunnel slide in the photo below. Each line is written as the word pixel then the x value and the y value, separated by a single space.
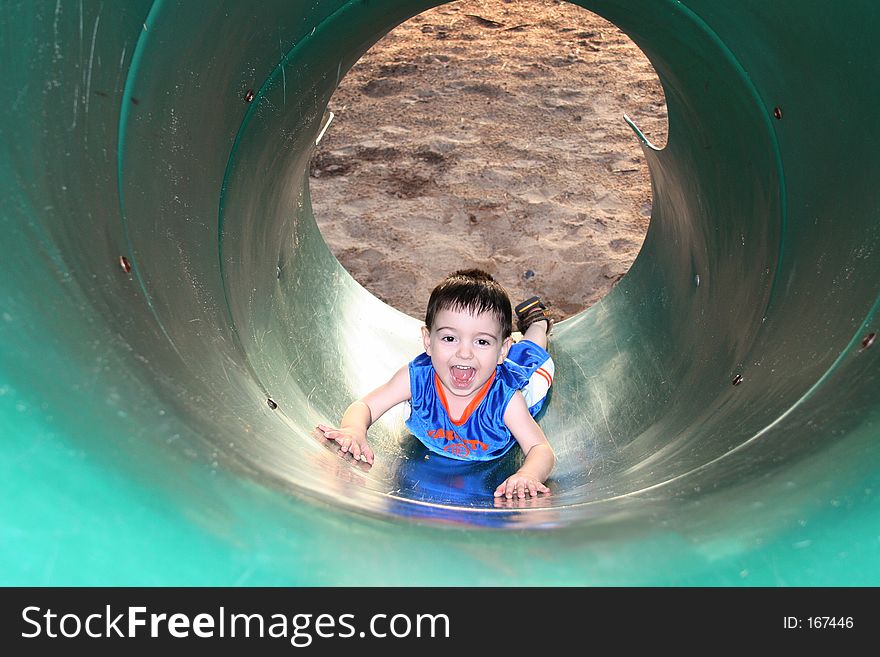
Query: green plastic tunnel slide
pixel 173 325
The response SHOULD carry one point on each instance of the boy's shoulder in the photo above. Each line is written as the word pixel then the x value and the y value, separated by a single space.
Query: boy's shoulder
pixel 512 374
pixel 422 361
pixel 421 373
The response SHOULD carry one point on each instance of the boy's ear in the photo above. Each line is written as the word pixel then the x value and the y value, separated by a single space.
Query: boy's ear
pixel 426 339
pixel 505 347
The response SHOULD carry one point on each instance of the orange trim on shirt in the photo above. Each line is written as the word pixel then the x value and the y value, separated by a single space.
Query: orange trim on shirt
pixel 470 407
pixel 545 374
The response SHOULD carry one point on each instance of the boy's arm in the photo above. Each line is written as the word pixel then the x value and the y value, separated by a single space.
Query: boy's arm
pixel 540 457
pixel 360 415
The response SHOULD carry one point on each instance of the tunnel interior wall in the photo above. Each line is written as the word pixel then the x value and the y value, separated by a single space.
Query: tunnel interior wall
pixel 135 392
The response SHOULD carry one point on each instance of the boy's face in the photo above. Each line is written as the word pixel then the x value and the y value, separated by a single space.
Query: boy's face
pixel 465 349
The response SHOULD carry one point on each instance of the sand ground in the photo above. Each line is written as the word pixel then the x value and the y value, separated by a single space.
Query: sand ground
pixel 490 133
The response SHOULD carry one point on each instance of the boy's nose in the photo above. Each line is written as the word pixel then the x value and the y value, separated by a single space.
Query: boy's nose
pixel 464 350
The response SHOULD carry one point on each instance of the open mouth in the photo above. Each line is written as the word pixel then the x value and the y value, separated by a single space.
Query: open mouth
pixel 462 375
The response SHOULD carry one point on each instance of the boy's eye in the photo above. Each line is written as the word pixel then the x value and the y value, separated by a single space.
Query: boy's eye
pixel 483 343
pixel 447 338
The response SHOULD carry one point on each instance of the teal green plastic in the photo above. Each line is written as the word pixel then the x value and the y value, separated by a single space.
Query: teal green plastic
pixel 138 442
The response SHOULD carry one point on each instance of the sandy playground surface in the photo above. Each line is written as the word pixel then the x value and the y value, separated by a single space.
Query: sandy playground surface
pixel 490 133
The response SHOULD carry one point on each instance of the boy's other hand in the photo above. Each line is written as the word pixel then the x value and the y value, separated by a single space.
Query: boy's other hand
pixel 518 484
pixel 350 442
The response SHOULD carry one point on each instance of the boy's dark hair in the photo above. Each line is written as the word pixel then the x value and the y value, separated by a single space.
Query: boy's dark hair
pixel 473 291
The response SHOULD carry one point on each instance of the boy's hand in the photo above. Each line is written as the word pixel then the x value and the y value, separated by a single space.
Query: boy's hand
pixel 350 442
pixel 520 483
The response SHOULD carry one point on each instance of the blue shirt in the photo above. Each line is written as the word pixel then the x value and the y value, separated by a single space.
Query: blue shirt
pixel 480 433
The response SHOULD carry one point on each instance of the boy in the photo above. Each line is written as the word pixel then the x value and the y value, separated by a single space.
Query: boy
pixel 472 371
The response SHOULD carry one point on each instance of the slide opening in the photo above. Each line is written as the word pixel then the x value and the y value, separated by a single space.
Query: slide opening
pixel 713 414
pixel 490 134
